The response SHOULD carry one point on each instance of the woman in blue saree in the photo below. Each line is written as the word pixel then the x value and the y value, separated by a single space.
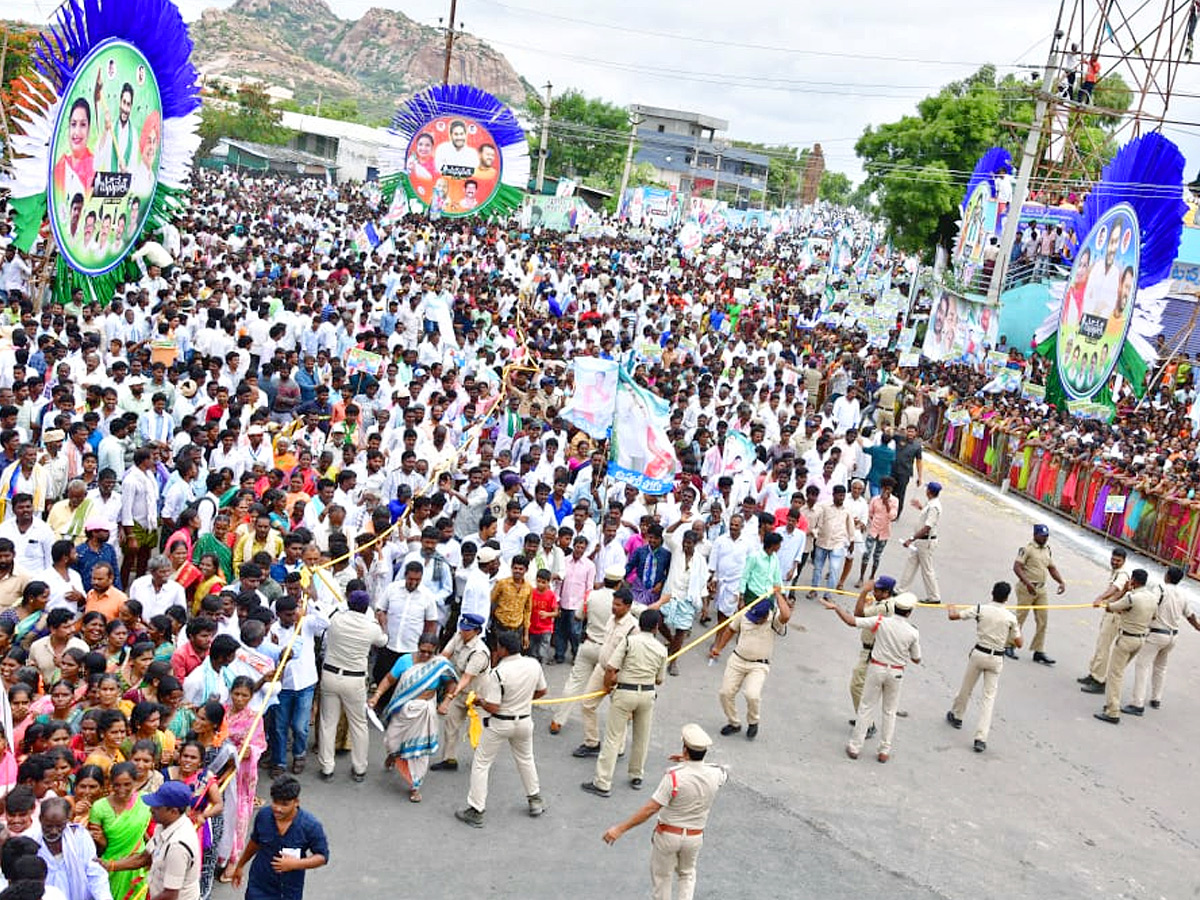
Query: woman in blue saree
pixel 411 716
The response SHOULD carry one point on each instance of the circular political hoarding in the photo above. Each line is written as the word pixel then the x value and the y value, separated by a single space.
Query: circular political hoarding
pixel 454 166
pixel 104 155
pixel 1098 303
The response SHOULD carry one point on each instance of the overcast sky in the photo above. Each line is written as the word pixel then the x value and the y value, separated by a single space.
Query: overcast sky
pixel 775 75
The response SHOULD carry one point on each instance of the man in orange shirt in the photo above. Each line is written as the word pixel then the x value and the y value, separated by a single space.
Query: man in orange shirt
pixel 104 597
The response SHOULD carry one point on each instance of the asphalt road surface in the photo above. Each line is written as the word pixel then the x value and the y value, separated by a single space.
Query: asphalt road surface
pixel 1060 805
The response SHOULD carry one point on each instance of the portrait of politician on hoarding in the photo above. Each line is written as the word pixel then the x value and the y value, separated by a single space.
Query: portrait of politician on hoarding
pixel 453 165
pixel 1098 303
pixel 104 154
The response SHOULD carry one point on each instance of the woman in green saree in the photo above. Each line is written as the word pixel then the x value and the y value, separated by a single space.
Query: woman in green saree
pixel 118 825
pixel 214 542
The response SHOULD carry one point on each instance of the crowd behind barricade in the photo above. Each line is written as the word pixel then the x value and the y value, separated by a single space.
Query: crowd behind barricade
pixel 282 476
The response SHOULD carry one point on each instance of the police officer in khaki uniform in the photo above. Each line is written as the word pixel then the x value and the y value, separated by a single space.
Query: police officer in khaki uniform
pixel 596 610
pixel 622 623
pixel 1134 610
pixel 631 674
pixel 1172 612
pixel 751 660
pixel 924 540
pixel 682 801
pixel 472 661
pixel 1118 584
pixel 1032 566
pixel 995 628
pixel 874 599
pixel 506 697
pixel 896 645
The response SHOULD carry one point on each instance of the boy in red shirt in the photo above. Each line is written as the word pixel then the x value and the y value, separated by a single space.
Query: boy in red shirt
pixel 541 621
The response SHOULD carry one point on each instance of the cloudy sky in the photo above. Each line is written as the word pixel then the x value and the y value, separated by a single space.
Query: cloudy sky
pixel 775 75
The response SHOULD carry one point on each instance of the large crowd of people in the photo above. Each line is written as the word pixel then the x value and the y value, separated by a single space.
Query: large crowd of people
pixel 281 476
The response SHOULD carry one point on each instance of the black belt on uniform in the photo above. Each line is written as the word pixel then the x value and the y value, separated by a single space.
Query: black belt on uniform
pixel 504 718
pixel 1129 634
pixel 334 670
pixel 928 537
pixel 988 650
pixel 867 646
pixel 1170 631
pixel 748 659
pixel 627 686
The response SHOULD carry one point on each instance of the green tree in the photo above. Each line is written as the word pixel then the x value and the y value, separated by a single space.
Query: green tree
pixel 588 138
pixel 917 167
pixel 18 42
pixel 250 117
pixel 836 187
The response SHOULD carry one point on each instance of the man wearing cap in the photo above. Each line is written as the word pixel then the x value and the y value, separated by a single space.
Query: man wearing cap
pixel 875 599
pixel 471 659
pixel 682 801
pixel 924 539
pixel 351 634
pixel 173 853
pixel 995 629
pixel 1118 585
pixel 896 645
pixel 596 612
pixel 751 660
pixel 631 674
pixel 1032 566
pixel 505 697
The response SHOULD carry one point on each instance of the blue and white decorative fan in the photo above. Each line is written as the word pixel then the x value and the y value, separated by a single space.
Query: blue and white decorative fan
pixel 459 152
pixel 106 130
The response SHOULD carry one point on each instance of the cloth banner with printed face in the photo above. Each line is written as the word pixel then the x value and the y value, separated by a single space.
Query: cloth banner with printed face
pixel 640 453
pixel 594 403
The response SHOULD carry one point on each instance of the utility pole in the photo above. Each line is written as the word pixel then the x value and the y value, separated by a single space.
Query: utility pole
pixel 543 148
pixel 717 174
pixel 449 43
pixel 635 120
pixel 1028 157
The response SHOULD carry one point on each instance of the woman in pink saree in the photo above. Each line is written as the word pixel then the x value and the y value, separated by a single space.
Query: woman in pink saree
pixel 245 727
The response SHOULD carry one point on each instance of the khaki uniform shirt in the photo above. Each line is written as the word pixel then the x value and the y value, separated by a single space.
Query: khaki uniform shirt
pixel 175 860
pixel 1172 609
pixel 1137 609
pixel 1036 562
pixel 469 657
pixel 349 639
pixel 599 611
pixel 756 641
pixel 931 514
pixel 512 684
pixel 639 660
pixel 615 632
pixel 874 610
pixel 897 642
pixel 686 793
pixel 995 626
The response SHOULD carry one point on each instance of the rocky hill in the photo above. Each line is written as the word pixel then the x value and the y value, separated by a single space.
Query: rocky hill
pixel 378 60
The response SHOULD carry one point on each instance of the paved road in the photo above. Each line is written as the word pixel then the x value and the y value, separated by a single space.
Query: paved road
pixel 1060 805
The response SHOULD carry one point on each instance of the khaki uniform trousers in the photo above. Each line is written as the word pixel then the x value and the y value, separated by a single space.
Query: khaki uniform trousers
pixel 749 677
pixel 342 693
pixel 1125 649
pixel 1109 627
pixel 518 735
pixel 673 854
pixel 591 723
pixel 1152 656
pixel 881 692
pixel 859 676
pixel 453 724
pixel 1041 617
pixel 989 667
pixel 625 705
pixel 577 679
pixel 922 561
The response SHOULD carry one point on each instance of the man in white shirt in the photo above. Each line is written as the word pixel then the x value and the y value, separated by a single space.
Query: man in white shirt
pixel 405 611
pixel 138 520
pixel 298 685
pixel 31 536
pixel 157 591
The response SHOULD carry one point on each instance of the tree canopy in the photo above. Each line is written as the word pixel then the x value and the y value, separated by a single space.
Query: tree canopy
pixel 588 138
pixel 249 117
pixel 918 166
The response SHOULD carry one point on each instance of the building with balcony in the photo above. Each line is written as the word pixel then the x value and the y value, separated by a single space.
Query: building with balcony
pixel 687 152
